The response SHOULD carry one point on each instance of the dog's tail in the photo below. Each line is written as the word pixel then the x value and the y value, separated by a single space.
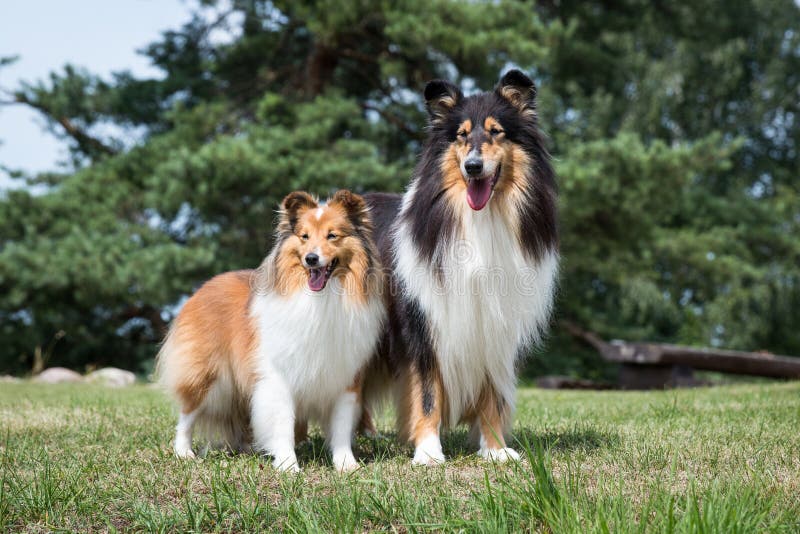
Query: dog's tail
pixel 166 368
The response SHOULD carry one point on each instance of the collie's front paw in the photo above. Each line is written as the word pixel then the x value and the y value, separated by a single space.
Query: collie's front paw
pixel 499 455
pixel 286 463
pixel 428 452
pixel 344 462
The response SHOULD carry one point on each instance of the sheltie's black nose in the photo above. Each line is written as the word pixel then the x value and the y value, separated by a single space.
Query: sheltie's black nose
pixel 312 259
pixel 473 166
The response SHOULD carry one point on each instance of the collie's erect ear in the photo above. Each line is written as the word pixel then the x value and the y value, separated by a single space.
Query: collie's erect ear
pixel 355 207
pixel 440 98
pixel 519 90
pixel 291 207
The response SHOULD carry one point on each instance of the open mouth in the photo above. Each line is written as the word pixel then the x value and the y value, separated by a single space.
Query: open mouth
pixel 318 276
pixel 479 190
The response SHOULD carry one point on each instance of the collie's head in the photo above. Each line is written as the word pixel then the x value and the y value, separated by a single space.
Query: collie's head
pixel 485 151
pixel 317 242
pixel 485 136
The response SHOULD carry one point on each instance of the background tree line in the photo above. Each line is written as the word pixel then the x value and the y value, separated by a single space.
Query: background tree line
pixel 674 127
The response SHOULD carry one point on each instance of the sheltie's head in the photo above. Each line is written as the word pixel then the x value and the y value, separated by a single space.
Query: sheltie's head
pixel 320 241
pixel 484 151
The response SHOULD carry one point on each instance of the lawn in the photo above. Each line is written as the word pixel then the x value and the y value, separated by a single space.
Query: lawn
pixel 725 459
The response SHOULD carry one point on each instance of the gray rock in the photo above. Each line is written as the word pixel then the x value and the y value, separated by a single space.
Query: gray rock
pixel 58 375
pixel 111 376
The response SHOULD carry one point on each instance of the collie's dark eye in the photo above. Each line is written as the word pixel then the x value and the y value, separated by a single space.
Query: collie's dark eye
pixel 462 135
pixel 495 131
pixel 331 235
pixel 304 237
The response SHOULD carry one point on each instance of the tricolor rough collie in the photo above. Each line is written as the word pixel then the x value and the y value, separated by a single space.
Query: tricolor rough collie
pixel 473 251
pixel 254 355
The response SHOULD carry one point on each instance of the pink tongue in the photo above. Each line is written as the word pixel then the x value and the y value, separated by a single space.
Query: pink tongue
pixel 478 193
pixel 316 279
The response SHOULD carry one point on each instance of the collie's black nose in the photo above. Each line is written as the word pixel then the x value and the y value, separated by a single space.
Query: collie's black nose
pixel 473 166
pixel 312 259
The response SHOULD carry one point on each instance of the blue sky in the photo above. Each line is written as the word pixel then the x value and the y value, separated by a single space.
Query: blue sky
pixel 100 35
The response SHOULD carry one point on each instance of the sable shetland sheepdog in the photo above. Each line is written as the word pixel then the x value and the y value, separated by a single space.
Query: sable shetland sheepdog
pixel 473 251
pixel 254 355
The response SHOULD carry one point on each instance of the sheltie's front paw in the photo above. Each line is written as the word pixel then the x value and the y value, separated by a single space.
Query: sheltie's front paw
pixel 184 451
pixel 344 461
pixel 422 458
pixel 499 455
pixel 428 452
pixel 286 463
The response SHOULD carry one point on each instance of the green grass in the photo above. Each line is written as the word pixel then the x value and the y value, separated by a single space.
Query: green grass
pixel 83 458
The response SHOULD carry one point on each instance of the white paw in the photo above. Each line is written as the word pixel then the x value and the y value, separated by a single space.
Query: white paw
pixel 423 458
pixel 428 452
pixel 184 451
pixel 286 463
pixel 344 461
pixel 499 455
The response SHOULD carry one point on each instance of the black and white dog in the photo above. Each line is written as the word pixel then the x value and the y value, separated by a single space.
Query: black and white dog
pixel 473 251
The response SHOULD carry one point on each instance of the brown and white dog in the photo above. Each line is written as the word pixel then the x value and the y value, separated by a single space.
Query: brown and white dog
pixel 473 251
pixel 254 355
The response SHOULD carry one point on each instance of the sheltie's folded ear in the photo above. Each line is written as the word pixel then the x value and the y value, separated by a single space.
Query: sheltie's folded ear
pixel 519 90
pixel 291 208
pixel 440 99
pixel 355 207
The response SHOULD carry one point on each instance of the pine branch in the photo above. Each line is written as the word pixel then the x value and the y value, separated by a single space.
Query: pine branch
pixel 88 145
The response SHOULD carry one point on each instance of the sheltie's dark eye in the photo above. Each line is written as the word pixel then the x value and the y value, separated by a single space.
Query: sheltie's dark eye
pixel 462 135
pixel 331 235
pixel 495 131
pixel 304 237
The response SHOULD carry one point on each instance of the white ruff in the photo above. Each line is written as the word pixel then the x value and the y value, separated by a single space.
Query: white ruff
pixel 315 343
pixel 491 302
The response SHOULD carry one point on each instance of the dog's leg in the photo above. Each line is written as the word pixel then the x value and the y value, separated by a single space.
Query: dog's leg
pixel 273 421
pixel 491 419
pixel 192 391
pixel 422 414
pixel 342 424
pixel 183 433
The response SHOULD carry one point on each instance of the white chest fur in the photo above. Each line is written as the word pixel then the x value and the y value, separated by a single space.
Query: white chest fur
pixel 490 301
pixel 316 342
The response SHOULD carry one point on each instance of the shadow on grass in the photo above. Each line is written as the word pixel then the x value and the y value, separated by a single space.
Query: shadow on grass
pixel 314 452
pixel 573 439
pixel 457 444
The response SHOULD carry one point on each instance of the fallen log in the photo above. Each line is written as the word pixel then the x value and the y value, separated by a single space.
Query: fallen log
pixel 660 362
